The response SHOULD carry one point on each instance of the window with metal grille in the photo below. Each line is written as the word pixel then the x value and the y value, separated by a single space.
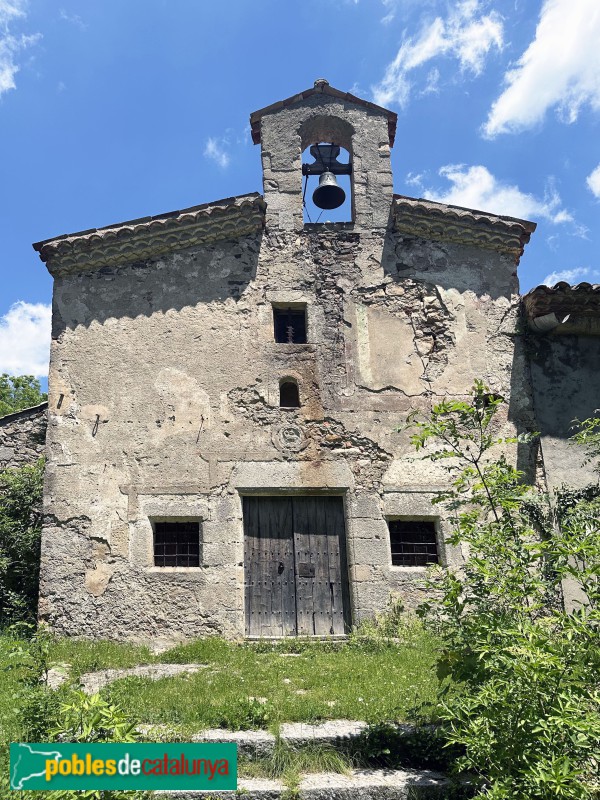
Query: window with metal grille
pixel 176 544
pixel 413 542
pixel 290 325
pixel 289 396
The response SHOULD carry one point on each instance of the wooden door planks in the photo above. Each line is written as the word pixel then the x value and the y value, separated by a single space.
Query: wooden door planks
pixel 295 566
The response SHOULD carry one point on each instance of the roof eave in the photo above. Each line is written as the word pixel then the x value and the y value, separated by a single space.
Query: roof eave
pixel 562 299
pixel 440 221
pixel 153 236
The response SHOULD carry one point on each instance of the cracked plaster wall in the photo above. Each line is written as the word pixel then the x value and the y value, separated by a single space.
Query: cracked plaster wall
pixel 168 384
pixel 164 391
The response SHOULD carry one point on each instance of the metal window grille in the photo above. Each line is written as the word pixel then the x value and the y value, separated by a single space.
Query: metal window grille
pixel 176 544
pixel 413 542
pixel 290 325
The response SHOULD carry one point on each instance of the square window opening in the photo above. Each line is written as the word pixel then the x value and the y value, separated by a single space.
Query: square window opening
pixel 413 542
pixel 176 544
pixel 289 325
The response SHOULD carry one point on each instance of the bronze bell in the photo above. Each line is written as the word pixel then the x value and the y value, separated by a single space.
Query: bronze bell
pixel 328 194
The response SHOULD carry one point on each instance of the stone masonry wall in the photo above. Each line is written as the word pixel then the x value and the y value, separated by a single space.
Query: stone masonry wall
pixel 164 403
pixel 164 395
pixel 23 436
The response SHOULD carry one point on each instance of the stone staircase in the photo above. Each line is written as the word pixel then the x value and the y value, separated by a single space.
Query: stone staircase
pixel 344 735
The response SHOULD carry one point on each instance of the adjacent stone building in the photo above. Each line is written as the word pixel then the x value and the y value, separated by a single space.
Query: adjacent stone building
pixel 23 436
pixel 563 353
pixel 228 385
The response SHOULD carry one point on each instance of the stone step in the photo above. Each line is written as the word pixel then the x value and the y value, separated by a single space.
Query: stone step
pixel 362 784
pixel 338 733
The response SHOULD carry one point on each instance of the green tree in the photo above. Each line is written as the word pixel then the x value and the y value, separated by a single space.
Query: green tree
pixel 20 532
pixel 18 392
pixel 527 707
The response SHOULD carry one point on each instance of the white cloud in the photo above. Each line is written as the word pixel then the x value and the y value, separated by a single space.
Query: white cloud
pixel 476 187
pixel 414 179
pixel 390 7
pixel 10 9
pixel 466 35
pixel 25 339
pixel 215 150
pixel 74 19
pixel 11 44
pixel 575 275
pixel 433 82
pixel 593 181
pixel 560 69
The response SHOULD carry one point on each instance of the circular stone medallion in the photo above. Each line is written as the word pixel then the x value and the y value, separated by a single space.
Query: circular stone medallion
pixel 289 437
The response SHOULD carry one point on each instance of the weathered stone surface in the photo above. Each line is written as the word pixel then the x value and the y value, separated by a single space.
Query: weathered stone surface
pixel 362 784
pixel 164 386
pixel 252 744
pixel 57 675
pixel 23 436
pixel 372 784
pixel 92 682
pixel 299 734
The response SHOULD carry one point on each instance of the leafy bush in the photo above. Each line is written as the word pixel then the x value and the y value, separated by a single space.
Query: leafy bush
pixel 390 628
pixel 391 746
pixel 20 533
pixel 63 715
pixel 85 718
pixel 528 714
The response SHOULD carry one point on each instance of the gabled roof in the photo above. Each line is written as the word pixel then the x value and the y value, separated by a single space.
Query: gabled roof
pixel 430 220
pixel 321 87
pixel 153 236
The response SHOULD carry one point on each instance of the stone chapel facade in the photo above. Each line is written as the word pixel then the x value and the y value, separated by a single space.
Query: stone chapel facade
pixel 228 385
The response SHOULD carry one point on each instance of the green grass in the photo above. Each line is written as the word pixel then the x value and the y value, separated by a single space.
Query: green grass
pixel 244 685
pixel 12 693
pixel 93 655
pixel 300 680
pixel 287 764
pixel 11 690
pixel 351 682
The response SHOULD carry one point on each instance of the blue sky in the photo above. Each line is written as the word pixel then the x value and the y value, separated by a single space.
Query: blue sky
pixel 116 110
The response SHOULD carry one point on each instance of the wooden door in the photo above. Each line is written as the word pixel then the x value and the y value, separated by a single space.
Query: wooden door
pixel 295 566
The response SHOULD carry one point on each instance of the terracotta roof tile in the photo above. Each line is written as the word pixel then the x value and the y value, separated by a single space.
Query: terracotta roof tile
pixel 562 299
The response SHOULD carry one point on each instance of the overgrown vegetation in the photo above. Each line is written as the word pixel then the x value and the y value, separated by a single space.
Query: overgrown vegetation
pixel 18 392
pixel 288 681
pixel 29 712
pixel 528 715
pixel 20 532
pixel 289 763
pixel 369 677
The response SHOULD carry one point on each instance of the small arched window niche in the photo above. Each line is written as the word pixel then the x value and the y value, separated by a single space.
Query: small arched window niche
pixel 327 145
pixel 289 396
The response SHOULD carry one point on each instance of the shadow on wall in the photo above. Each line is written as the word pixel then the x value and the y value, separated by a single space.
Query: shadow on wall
pixel 202 275
pixel 450 266
pixel 521 410
pixel 565 377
